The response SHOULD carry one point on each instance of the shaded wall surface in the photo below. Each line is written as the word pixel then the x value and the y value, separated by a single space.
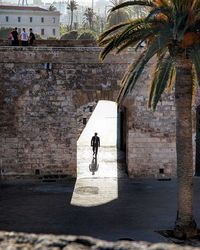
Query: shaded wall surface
pixel 43 95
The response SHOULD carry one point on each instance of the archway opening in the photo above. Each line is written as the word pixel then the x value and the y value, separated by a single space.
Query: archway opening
pixel 98 177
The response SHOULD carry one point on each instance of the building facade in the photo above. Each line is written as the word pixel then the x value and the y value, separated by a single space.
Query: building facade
pixel 43 22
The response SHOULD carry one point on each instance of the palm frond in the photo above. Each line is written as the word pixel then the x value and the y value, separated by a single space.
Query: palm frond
pixel 146 3
pixel 131 32
pixel 155 72
pixel 107 49
pixel 130 36
pixel 194 80
pixel 124 89
pixel 172 78
pixel 195 56
pixel 134 72
pixel 180 25
pixel 137 38
pixel 161 10
pixel 161 79
pixel 165 3
pixel 111 30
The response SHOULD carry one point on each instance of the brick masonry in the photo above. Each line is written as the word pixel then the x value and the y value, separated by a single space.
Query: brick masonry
pixel 45 93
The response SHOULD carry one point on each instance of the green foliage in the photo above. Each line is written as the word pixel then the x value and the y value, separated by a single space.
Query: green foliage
pixel 89 18
pixel 37 36
pixel 63 29
pixel 71 35
pixel 4 32
pixel 87 35
pixel 170 28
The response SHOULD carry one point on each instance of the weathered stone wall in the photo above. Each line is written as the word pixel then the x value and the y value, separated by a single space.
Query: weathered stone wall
pixel 151 142
pixel 151 135
pixel 42 91
pixel 47 95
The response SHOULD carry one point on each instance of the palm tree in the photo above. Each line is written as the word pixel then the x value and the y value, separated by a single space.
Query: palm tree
pixel 52 8
pixel 72 6
pixel 89 18
pixel 171 30
pixel 118 16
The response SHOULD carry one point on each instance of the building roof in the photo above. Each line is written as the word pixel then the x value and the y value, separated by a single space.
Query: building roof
pixel 12 7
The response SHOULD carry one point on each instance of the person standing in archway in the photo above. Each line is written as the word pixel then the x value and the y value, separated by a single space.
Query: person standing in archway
pixel 95 144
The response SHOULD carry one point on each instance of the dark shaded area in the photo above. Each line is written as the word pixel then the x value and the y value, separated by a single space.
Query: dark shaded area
pixel 143 207
pixel 169 234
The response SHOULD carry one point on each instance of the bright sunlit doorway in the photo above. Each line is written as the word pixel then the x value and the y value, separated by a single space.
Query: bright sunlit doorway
pixel 98 185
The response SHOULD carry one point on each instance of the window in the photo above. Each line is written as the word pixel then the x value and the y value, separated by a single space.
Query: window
pixel 42 19
pixel 84 121
pixel 19 19
pixel 54 32
pixel 161 171
pixel 31 19
pixel 7 18
pixel 42 32
pixel 54 19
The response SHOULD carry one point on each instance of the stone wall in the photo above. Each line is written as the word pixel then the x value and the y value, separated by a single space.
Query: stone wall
pixel 48 94
pixel 151 140
pixel 44 95
pixel 151 135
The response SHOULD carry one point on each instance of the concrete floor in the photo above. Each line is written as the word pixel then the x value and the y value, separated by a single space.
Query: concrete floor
pixel 141 208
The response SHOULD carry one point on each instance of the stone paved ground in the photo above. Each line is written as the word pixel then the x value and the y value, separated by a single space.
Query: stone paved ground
pixel 142 207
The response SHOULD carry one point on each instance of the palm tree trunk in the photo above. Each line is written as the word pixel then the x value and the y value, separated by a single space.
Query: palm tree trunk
pixel 72 15
pixel 185 226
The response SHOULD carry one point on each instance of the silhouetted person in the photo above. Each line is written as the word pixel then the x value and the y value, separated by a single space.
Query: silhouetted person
pixel 15 39
pixel 95 143
pixel 31 37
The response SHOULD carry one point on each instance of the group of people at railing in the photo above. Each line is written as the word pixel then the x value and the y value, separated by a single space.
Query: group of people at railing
pixel 24 38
